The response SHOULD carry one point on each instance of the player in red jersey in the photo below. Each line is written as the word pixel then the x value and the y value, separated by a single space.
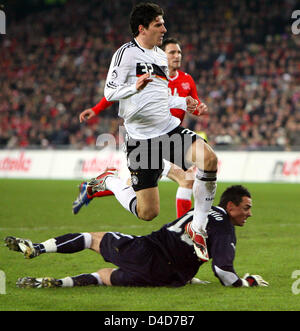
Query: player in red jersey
pixel 180 84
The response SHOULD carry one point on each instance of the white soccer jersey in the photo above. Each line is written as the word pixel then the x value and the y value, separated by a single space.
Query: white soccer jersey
pixel 146 112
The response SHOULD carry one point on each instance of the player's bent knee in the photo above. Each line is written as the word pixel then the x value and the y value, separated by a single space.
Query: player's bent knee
pixel 96 238
pixel 203 156
pixel 148 214
pixel 105 275
pixel 148 204
pixel 211 161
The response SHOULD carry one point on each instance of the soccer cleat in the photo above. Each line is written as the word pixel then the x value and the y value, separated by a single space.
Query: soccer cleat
pixel 24 246
pixel 98 184
pixel 82 198
pixel 31 282
pixel 199 242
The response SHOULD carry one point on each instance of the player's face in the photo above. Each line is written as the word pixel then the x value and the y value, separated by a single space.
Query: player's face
pixel 239 214
pixel 155 32
pixel 174 56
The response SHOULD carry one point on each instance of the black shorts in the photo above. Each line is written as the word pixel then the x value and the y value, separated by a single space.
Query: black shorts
pixel 145 157
pixel 140 262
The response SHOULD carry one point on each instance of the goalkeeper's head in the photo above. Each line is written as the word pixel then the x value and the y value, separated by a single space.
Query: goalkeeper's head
pixel 237 202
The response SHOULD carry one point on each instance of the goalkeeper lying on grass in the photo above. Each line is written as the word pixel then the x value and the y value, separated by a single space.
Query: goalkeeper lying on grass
pixel 163 258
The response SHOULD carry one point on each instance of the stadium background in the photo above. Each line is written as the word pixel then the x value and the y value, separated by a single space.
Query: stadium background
pixel 242 55
pixel 53 63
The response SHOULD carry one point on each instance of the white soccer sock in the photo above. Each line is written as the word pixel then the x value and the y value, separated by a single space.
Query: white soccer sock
pixel 50 245
pixel 96 275
pixel 87 240
pixel 67 282
pixel 204 191
pixel 184 193
pixel 124 193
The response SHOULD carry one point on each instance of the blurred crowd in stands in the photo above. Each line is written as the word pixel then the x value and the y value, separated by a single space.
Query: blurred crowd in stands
pixel 242 55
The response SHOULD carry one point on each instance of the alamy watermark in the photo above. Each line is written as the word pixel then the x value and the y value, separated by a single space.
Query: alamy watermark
pixel 296 24
pixel 296 283
pixel 2 282
pixel 2 22
pixel 150 153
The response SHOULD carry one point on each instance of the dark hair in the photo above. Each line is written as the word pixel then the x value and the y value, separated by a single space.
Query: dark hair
pixel 234 194
pixel 143 14
pixel 168 41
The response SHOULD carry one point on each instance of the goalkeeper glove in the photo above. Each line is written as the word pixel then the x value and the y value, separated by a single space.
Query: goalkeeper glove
pixel 253 280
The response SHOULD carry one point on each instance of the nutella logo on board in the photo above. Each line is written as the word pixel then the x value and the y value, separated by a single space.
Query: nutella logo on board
pixel 20 163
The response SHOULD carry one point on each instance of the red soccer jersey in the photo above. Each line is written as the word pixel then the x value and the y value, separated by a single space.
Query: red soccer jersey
pixel 182 85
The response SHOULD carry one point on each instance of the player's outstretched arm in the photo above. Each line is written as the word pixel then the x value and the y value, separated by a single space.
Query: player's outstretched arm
pixel 230 278
pixel 86 115
pixel 91 112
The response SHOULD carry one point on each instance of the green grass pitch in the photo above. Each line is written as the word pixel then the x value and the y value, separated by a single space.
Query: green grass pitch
pixel 269 245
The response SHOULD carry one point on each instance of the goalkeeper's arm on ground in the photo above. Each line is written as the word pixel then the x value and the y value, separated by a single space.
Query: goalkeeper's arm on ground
pixel 228 277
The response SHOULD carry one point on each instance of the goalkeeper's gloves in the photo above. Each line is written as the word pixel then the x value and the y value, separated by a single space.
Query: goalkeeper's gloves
pixel 253 280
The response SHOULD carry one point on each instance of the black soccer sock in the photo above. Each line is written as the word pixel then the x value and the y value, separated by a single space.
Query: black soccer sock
pixel 82 280
pixel 68 243
pixel 40 248
pixel 207 176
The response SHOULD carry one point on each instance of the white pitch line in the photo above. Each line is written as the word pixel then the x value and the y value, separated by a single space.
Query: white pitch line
pixel 107 227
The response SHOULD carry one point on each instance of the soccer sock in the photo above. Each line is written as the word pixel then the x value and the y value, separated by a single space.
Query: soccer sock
pixel 82 280
pixel 101 194
pixel 68 243
pixel 124 193
pixel 204 191
pixel 183 200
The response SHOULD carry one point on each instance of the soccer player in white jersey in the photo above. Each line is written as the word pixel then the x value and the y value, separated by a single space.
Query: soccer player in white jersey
pixel 138 79
pixel 180 84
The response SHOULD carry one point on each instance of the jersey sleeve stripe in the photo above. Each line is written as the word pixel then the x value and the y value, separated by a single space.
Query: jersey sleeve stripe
pixel 118 54
pixel 121 51
pixel 110 85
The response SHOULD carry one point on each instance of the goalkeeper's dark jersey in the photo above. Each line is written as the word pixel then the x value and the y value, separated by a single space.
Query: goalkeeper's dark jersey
pixel 177 247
